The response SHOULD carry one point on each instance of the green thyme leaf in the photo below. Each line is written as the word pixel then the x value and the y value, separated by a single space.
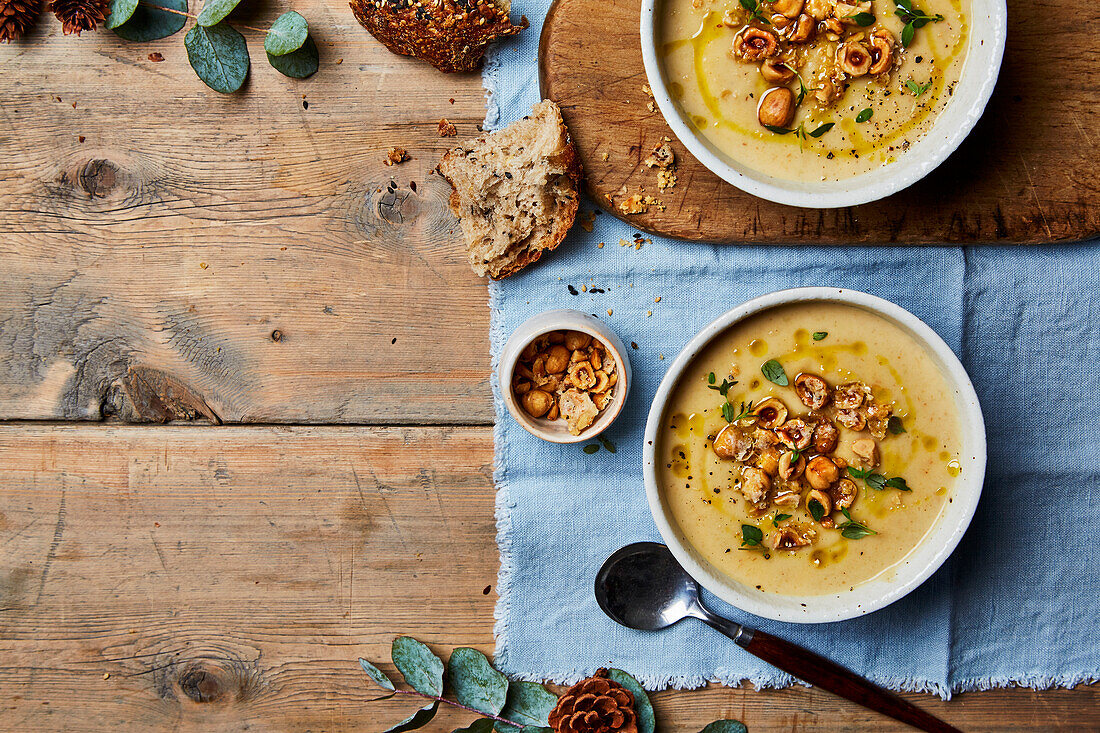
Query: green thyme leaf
pixel 773 372
pixel 907 34
pixel 780 518
pixel 876 481
pixel 607 444
pixel 863 19
pixel 915 88
pixel 819 335
pixel 817 511
pixel 710 378
pixel 859 472
pixel 722 388
pixel 751 536
pixel 728 412
pixel 855 530
pixel 847 514
pixel 779 130
pixel 897 482
pixel 590 448
pixel 895 425
pixel 818 133
pixel 864 114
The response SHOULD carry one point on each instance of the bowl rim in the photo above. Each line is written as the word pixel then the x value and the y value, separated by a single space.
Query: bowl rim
pixel 563 319
pixel 948 529
pixel 906 170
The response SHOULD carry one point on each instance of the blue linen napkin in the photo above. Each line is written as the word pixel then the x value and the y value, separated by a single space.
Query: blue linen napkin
pixel 1019 599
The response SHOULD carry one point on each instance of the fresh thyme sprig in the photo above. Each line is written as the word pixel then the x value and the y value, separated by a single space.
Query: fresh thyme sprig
pixel 914 18
pixel 722 388
pixel 852 529
pixel 917 89
pixel 732 415
pixel 757 10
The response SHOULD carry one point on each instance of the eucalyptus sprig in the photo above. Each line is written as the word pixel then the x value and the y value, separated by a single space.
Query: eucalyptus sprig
pixel 216 50
pixel 503 705
pixel 914 18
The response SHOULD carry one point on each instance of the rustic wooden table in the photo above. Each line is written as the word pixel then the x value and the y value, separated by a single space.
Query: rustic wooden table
pixel 173 253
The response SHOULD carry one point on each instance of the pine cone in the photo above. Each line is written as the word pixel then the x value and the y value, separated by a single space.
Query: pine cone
pixel 16 16
pixel 595 705
pixel 80 15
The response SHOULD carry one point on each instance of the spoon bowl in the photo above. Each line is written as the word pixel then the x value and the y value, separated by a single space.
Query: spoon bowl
pixel 641 586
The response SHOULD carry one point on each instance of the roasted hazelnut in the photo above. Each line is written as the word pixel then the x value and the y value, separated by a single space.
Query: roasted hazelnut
pixel 555 412
pixel 522 387
pixel 754 44
pixel 819 9
pixel 557 359
pixel 853 58
pixel 576 340
pixel 789 470
pixel 849 395
pixel 822 498
pixel 779 22
pixel 844 493
pixel 603 381
pixel 770 413
pixel 827 92
pixel 846 11
pixel 825 437
pixel 788 8
pixel 755 483
pixel 821 473
pixel 787 538
pixel 812 390
pixel 595 359
pixel 732 443
pixel 801 30
pixel 791 497
pixel 776 107
pixel 866 451
pixel 882 51
pixel 768 462
pixel 851 419
pixel 582 375
pixel 832 25
pixel 776 71
pixel 536 403
pixel 795 434
pixel 529 351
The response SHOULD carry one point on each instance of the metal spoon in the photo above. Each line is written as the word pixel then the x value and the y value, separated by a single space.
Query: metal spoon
pixel 642 587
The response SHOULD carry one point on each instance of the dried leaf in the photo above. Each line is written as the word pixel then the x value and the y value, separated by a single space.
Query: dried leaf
pixel 287 33
pixel 148 23
pixel 297 64
pixel 643 709
pixel 422 669
pixel 219 56
pixel 476 684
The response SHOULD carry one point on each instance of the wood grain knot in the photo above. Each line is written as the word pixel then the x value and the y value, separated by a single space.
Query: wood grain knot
pixel 144 394
pixel 202 685
pixel 98 178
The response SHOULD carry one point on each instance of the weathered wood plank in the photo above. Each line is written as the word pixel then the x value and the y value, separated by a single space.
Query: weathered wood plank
pixel 227 579
pixel 153 224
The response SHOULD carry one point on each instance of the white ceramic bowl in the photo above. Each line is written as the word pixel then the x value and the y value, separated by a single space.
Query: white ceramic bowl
pixel 921 562
pixel 563 320
pixel 988 28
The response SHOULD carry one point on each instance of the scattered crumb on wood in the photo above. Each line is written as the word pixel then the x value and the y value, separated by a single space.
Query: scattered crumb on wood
pixel 396 156
pixel 604 156
pixel 666 179
pixel 662 157
pixel 156 56
pixel 446 129
pixel 639 204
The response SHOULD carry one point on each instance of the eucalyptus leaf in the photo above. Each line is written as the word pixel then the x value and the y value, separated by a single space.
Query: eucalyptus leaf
pixel 535 729
pixel 475 682
pixel 422 669
pixel 149 23
pixel 121 11
pixel 297 64
pixel 725 726
pixel 286 34
pixel 528 704
pixel 376 674
pixel 214 11
pixel 419 719
pixel 481 725
pixel 219 56
pixel 643 709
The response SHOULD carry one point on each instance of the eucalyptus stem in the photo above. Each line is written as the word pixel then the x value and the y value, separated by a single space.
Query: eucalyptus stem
pixel 195 17
pixel 458 705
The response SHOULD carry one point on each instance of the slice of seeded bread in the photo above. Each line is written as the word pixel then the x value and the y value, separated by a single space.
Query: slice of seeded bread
pixel 516 191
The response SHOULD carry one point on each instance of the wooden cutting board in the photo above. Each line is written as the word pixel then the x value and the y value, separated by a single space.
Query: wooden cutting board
pixel 1028 173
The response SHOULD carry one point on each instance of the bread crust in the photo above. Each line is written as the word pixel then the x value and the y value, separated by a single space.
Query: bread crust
pixel 569 161
pixel 451 35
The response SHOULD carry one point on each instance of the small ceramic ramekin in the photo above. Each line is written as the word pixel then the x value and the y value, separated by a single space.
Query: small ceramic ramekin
pixel 556 431
pixel 985 49
pixel 923 560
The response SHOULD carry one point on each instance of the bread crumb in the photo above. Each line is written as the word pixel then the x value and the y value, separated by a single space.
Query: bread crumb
pixel 584 288
pixel 661 357
pixel 647 91
pixel 609 312
pixel 662 157
pixel 666 179
pixel 605 156
pixel 106 675
pixel 651 106
pixel 587 220
pixel 639 204
pixel 657 299
pixel 648 314
pixel 446 129
pixel 623 243
pixel 203 265
pixel 396 156
pixel 599 246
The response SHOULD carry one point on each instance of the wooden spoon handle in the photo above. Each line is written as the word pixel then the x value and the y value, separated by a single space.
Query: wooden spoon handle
pixel 819 671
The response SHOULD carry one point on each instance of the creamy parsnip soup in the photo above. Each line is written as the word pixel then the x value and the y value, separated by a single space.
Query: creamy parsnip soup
pixel 812 90
pixel 809 448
